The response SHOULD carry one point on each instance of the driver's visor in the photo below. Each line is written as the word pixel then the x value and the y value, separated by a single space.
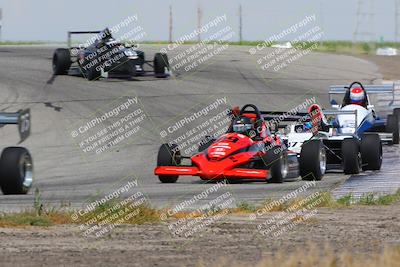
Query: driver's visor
pixel 241 128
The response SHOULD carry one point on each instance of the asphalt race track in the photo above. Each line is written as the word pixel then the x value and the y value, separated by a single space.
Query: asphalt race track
pixel 66 175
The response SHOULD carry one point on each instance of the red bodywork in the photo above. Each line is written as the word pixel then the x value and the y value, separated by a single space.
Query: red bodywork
pixel 223 159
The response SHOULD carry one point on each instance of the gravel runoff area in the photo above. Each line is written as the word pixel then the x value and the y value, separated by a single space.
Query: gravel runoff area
pixel 355 229
pixel 388 65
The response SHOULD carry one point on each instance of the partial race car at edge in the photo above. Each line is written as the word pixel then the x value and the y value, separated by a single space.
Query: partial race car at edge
pixel 352 133
pixel 16 165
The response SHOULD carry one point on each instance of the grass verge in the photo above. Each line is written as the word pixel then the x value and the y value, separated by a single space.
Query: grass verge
pixel 43 215
pixel 22 43
pixel 321 200
pixel 342 47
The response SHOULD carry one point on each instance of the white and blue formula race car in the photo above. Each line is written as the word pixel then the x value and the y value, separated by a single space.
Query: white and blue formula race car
pixel 356 97
pixel 343 149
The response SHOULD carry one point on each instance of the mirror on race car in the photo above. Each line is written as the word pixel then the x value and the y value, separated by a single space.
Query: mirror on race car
pixel 336 106
pixel 24 124
pixel 21 119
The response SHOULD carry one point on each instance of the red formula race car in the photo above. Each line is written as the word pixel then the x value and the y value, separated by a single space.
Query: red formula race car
pixel 247 151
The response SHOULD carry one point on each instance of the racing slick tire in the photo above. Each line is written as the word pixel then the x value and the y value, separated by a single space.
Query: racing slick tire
pixel 168 156
pixel 371 152
pixel 161 64
pixel 351 158
pixel 392 126
pixel 276 161
pixel 205 143
pixel 92 74
pixel 312 160
pixel 61 61
pixel 16 171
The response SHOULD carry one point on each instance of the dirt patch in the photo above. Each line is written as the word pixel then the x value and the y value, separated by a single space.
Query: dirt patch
pixel 389 66
pixel 356 229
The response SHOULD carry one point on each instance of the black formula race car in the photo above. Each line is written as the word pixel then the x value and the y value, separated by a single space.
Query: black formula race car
pixel 16 166
pixel 105 57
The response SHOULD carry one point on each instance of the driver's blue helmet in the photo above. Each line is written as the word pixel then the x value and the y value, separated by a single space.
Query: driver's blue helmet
pixel 308 126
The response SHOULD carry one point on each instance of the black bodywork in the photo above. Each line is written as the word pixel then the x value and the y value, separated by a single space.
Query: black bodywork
pixel 105 57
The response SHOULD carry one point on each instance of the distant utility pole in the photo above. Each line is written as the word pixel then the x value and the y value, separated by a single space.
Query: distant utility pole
pixel 170 24
pixel 321 18
pixel 397 21
pixel 1 22
pixel 199 19
pixel 240 24
pixel 364 30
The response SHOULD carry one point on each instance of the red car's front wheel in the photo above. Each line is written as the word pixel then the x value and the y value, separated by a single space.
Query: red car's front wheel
pixel 168 156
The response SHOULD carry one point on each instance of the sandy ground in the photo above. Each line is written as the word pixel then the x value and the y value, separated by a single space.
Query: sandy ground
pixel 388 66
pixel 356 229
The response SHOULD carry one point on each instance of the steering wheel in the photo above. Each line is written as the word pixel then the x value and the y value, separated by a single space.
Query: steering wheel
pixel 254 111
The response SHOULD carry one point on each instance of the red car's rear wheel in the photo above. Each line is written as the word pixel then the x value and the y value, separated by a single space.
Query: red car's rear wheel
pixel 276 161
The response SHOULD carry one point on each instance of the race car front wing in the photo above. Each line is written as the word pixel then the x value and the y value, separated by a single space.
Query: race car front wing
pixel 236 173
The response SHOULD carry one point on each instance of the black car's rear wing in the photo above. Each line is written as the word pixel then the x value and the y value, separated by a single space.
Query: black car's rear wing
pixel 22 118
pixel 285 116
pixel 79 32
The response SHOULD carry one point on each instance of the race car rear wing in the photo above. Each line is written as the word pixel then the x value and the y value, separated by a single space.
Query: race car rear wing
pixel 302 117
pixel 340 112
pixel 370 89
pixel 285 116
pixel 21 118
pixel 69 41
